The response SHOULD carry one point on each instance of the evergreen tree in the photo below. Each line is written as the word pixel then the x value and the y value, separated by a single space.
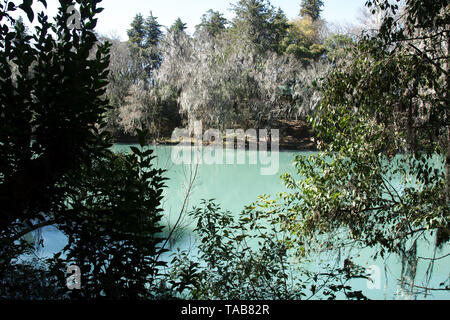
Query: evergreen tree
pixel 311 8
pixel 213 22
pixel 145 33
pixel 144 37
pixel 153 36
pixel 136 33
pixel 259 22
pixel 152 31
pixel 303 40
pixel 280 26
pixel 178 26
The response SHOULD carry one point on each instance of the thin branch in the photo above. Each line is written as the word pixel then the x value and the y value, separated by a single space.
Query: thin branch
pixel 31 229
pixel 444 256
pixel 423 54
pixel 183 208
pixel 426 288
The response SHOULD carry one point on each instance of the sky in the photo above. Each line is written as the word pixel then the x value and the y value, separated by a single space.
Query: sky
pixel 118 14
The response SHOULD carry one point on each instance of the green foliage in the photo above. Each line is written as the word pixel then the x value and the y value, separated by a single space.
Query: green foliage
pixel 380 178
pixel 249 258
pixel 311 8
pixel 136 34
pixel 178 26
pixel 144 38
pixel 243 75
pixel 257 22
pixel 138 100
pixel 153 33
pixel 303 41
pixel 50 103
pixel 212 22
pixel 57 170
pixel 337 46
pixel 118 199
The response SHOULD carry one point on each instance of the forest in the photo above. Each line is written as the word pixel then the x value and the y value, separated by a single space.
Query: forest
pixel 371 100
pixel 250 72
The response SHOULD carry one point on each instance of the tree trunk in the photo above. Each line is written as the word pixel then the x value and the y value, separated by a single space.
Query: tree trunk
pixel 448 166
pixel 448 127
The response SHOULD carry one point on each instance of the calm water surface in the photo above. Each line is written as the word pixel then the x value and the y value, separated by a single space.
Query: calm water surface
pixel 234 186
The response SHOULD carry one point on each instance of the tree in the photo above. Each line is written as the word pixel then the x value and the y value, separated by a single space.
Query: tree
pixel 144 37
pixel 49 109
pixel 139 101
pixel 337 46
pixel 304 34
pixel 178 26
pixel 122 75
pixel 137 34
pixel 303 40
pixel 380 180
pixel 144 33
pixel 229 81
pixel 311 8
pixel 221 86
pixel 258 22
pixel 280 29
pixel 212 22
pixel 57 169
pixel 248 257
pixel 121 260
pixel 153 33
pixel 155 109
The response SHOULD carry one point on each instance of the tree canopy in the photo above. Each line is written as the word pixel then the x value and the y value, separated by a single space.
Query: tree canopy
pixel 311 8
pixel 178 26
pixel 57 168
pixel 383 174
pixel 213 22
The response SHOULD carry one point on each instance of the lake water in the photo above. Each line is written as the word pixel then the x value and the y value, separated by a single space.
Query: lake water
pixel 235 186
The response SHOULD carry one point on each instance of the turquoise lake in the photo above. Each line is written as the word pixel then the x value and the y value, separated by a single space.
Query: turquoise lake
pixel 234 186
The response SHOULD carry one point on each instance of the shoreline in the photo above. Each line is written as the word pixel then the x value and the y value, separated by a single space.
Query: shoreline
pixel 295 135
pixel 288 147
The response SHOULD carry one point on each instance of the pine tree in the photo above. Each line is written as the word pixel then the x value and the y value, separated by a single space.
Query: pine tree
pixel 152 31
pixel 311 8
pixel 136 33
pixel 259 22
pixel 178 26
pixel 213 22
pixel 280 26
pixel 145 33
pixel 144 37
pixel 153 35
